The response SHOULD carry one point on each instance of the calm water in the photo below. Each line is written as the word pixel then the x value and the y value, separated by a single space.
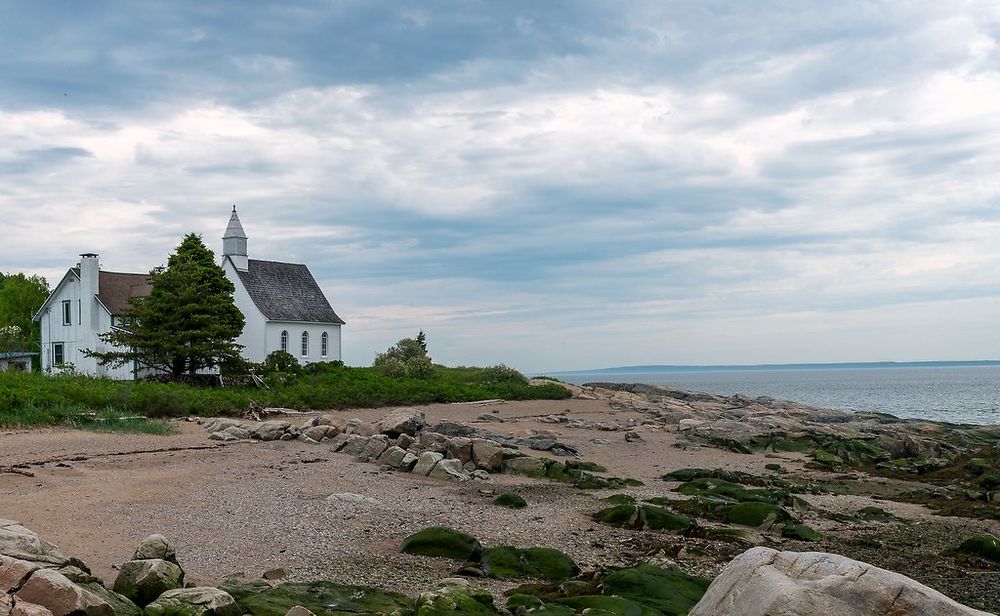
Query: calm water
pixel 959 394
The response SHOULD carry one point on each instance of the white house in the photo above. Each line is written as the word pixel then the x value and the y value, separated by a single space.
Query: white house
pixel 283 306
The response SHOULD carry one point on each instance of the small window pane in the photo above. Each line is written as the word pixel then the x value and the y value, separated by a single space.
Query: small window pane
pixel 324 344
pixel 58 355
pixel 67 312
pixel 305 344
pixel 284 341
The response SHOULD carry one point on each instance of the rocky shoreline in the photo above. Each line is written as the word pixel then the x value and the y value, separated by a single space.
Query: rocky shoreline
pixel 684 483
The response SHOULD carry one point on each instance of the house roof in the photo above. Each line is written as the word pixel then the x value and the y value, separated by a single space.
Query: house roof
pixel 116 288
pixel 16 354
pixel 286 292
pixel 234 228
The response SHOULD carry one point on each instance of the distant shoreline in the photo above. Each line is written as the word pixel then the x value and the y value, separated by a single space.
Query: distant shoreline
pixel 669 368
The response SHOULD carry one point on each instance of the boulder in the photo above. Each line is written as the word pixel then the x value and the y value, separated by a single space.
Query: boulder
pixel 197 601
pixel 19 542
pixel 142 581
pixel 532 467
pixel 405 440
pixel 401 421
pixel 766 582
pixel 361 428
pixel 271 430
pixel 545 563
pixel 298 610
pixel 320 432
pixel 426 462
pixel 354 445
pixel 393 457
pixel 459 448
pixel 374 448
pixel 23 608
pixel 337 442
pixel 449 469
pixel 155 546
pixel 455 596
pixel 62 597
pixel 444 542
pixel 220 424
pixel 433 441
pixel 14 572
pixel 122 605
pixel 487 455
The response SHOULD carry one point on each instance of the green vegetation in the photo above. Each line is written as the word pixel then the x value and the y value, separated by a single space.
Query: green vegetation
pixel 511 562
pixel 326 598
pixel 669 591
pixel 20 297
pixel 985 546
pixel 800 532
pixel 188 322
pixel 642 517
pixel 39 400
pixel 510 500
pixel 408 358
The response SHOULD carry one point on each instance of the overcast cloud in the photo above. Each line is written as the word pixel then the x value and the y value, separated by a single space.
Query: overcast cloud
pixel 551 185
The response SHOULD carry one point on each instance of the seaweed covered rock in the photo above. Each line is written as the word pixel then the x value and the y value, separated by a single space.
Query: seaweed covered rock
pixel 800 532
pixel 196 601
pixel 984 546
pixel 444 542
pixel 514 563
pixel 454 597
pixel 510 500
pixel 765 582
pixel 122 605
pixel 142 581
pixel 669 591
pixel 54 591
pixel 755 514
pixel 642 517
pixel 324 598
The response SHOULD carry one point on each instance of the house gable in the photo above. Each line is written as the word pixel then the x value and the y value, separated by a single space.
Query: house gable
pixel 286 292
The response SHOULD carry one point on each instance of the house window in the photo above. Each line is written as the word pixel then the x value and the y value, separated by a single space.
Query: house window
pixel 324 344
pixel 67 312
pixel 58 354
pixel 305 344
pixel 284 341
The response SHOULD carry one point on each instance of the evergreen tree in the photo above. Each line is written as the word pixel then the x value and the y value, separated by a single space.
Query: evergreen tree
pixel 188 322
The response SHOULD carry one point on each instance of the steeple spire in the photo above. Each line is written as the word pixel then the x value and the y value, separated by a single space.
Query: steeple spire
pixel 234 242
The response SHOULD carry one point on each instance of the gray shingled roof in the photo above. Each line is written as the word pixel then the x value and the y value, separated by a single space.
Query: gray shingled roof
pixel 287 292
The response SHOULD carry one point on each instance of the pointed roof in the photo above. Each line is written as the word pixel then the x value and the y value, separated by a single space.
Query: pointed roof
pixel 286 292
pixel 234 229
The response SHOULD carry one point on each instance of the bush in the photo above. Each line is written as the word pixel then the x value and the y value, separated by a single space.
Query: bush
pixel 407 358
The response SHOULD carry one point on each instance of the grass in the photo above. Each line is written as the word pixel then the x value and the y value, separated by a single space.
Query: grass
pixel 80 417
pixel 33 399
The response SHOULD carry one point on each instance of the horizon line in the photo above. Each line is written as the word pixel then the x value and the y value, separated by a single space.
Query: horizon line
pixel 779 366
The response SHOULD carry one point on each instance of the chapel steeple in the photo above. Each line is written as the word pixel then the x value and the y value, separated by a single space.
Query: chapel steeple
pixel 234 243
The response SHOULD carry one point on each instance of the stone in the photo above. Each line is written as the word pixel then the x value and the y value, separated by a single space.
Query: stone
pixel 142 581
pixel 511 500
pixel 62 597
pixel 355 445
pixel 19 542
pixel 393 457
pixel 359 427
pixel 77 575
pixel 545 563
pixel 405 440
pixel 532 467
pixel 459 448
pixel 350 497
pixel 766 582
pixel 455 596
pixel 984 546
pixel 667 590
pixel 490 417
pixel 14 572
pixel 320 432
pixel 298 610
pixel 426 462
pixel 337 442
pixel 631 436
pixel 444 542
pixel 155 546
pixel 122 605
pixel 401 421
pixel 487 455
pixel 325 598
pixel 220 424
pixel 275 574
pixel 433 441
pixel 449 469
pixel 197 601
pixel 480 474
pixel 23 608
pixel 271 430
pixel 374 448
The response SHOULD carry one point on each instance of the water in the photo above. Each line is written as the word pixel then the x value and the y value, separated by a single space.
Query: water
pixel 957 394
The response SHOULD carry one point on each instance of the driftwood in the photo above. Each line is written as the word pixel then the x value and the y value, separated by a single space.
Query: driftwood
pixel 16 471
pixel 91 416
pixel 482 402
pixel 257 412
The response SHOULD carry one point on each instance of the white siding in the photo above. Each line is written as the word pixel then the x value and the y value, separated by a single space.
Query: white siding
pixel 295 329
pixel 253 339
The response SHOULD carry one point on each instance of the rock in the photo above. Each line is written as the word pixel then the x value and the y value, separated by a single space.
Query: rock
pixel 642 517
pixel 631 436
pixel 433 441
pixel 985 546
pixel 487 455
pixel 510 500
pixel 155 546
pixel 337 442
pixel 401 421
pixel 455 596
pixel 122 605
pixel 320 432
pixel 62 597
pixel 765 582
pixel 197 601
pixel 77 575
pixel 220 424
pixel 408 462
pixel 398 458
pixel 271 430
pixel 404 441
pixel 490 417
pixel 361 428
pixel 426 462
pixel 374 448
pixel 532 467
pixel 459 448
pixel 449 469
pixel 23 608
pixel 275 574
pixel 142 581
pixel 16 541
pixel 354 445
pixel 800 532
pixel 444 542
pixel 480 474
pixel 349 497
pixel 298 610
pixel 669 591
pixel 452 429
pixel 14 572
pixel 545 563
pixel 318 597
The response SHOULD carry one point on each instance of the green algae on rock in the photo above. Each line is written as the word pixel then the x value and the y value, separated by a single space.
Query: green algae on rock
pixel 514 563
pixel 755 514
pixel 455 597
pixel 642 517
pixel 510 500
pixel 323 598
pixel 985 546
pixel 444 542
pixel 800 532
pixel 667 590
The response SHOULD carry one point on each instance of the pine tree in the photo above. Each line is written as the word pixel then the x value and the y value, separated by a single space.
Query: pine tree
pixel 188 322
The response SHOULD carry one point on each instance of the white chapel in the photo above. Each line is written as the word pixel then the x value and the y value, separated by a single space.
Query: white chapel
pixel 284 308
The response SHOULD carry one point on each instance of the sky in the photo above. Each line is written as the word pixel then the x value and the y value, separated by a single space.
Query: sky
pixel 550 185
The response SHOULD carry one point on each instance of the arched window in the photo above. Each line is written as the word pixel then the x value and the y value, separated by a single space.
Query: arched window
pixel 324 344
pixel 305 344
pixel 284 341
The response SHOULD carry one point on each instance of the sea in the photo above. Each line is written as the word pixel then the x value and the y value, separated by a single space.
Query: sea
pixel 956 392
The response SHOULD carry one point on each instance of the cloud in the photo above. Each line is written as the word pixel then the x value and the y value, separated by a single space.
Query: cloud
pixel 552 185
